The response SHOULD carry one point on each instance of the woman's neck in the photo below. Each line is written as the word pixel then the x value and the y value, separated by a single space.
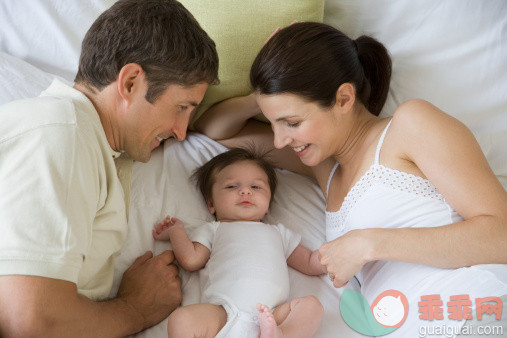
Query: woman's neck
pixel 361 123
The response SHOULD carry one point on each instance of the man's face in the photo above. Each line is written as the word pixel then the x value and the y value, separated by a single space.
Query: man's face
pixel 147 124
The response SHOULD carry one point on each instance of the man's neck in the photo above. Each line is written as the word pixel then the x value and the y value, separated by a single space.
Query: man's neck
pixel 104 103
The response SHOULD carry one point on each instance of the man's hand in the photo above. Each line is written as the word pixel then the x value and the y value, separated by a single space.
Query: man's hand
pixel 151 286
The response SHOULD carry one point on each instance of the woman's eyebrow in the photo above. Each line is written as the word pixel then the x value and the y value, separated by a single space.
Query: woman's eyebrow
pixel 283 118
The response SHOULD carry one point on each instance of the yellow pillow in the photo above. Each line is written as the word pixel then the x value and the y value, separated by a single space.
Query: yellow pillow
pixel 239 29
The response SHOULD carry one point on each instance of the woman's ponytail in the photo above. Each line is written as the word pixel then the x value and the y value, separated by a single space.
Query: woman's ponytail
pixel 313 60
pixel 377 67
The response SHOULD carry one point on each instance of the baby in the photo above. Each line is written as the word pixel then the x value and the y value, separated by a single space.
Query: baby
pixel 245 279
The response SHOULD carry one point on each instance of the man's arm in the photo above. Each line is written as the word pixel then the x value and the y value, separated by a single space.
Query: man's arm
pixel 39 306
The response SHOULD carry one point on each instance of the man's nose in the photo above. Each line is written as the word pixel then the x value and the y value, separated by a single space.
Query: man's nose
pixel 180 129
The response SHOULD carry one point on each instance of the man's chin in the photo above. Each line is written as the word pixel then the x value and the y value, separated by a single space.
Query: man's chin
pixel 144 158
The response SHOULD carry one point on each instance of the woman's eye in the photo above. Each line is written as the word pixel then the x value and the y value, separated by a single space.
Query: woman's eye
pixel 293 124
pixel 183 108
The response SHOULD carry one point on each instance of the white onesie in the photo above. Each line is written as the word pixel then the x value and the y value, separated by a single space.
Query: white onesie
pixel 248 265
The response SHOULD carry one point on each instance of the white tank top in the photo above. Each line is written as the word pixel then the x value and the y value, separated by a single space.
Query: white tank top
pixel 388 198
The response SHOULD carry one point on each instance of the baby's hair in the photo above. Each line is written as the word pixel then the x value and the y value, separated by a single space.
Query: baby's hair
pixel 204 176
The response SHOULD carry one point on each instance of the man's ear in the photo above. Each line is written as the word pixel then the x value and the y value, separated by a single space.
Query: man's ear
pixel 211 208
pixel 130 79
pixel 345 97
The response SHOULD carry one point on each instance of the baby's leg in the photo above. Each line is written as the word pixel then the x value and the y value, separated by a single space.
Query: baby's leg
pixel 198 320
pixel 300 317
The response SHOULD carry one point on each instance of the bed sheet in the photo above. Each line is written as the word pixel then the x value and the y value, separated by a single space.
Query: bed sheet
pixel 162 187
pixel 450 53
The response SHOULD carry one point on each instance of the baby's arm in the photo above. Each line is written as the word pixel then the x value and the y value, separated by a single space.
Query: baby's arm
pixel 191 256
pixel 306 261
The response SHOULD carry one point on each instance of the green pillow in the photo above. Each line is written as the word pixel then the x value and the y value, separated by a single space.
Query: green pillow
pixel 239 29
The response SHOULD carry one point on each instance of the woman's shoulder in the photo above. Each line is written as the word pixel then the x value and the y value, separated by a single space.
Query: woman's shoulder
pixel 417 117
pixel 416 111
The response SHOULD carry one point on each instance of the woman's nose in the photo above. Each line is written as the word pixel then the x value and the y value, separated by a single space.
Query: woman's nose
pixel 280 140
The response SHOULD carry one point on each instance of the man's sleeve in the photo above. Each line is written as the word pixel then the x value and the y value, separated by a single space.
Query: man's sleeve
pixel 45 209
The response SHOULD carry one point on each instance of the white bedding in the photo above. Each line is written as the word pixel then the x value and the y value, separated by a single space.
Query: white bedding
pixel 452 53
pixel 161 187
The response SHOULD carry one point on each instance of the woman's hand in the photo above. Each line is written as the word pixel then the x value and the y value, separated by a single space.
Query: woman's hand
pixel 345 256
pixel 277 30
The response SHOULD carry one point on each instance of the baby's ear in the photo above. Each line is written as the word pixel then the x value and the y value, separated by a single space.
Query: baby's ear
pixel 210 206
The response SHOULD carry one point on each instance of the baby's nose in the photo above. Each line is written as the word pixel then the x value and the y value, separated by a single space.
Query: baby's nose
pixel 245 191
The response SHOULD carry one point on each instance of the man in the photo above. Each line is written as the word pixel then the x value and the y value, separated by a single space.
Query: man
pixel 144 68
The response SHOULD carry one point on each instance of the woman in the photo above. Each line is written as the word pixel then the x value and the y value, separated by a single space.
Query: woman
pixel 409 197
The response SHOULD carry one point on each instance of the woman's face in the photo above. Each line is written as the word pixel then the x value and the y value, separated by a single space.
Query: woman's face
pixel 304 126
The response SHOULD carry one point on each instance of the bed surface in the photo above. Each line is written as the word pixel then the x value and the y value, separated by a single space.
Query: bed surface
pixel 451 53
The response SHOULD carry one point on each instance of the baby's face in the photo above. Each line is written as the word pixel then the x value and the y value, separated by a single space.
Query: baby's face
pixel 241 193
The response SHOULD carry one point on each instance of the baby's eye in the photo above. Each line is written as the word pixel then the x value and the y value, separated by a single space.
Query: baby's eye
pixel 230 187
pixel 255 187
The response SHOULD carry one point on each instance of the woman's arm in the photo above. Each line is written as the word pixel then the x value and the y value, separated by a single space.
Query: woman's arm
pixel 227 118
pixel 448 155
pixel 191 256
pixel 230 123
pixel 305 261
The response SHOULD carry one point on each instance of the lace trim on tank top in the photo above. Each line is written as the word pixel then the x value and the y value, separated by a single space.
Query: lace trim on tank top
pixel 379 175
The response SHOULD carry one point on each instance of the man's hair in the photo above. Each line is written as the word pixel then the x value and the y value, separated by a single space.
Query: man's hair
pixel 161 36
pixel 205 176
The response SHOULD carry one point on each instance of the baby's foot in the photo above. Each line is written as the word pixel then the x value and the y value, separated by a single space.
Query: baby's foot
pixel 267 323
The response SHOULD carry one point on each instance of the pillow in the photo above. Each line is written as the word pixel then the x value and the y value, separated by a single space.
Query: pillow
pixel 19 79
pixel 444 52
pixel 48 33
pixel 239 29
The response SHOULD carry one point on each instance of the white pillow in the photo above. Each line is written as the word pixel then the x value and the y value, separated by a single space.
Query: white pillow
pixel 19 79
pixel 451 53
pixel 48 33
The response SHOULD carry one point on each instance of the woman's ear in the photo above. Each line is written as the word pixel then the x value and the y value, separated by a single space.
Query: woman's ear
pixel 130 80
pixel 345 97
pixel 211 208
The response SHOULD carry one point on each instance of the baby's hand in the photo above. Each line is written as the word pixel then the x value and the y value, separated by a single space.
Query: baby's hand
pixel 164 228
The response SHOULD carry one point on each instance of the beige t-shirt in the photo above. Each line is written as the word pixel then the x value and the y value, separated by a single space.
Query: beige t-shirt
pixel 62 210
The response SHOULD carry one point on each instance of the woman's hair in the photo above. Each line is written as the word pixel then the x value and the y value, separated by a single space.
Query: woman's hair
pixel 204 176
pixel 312 60
pixel 161 36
